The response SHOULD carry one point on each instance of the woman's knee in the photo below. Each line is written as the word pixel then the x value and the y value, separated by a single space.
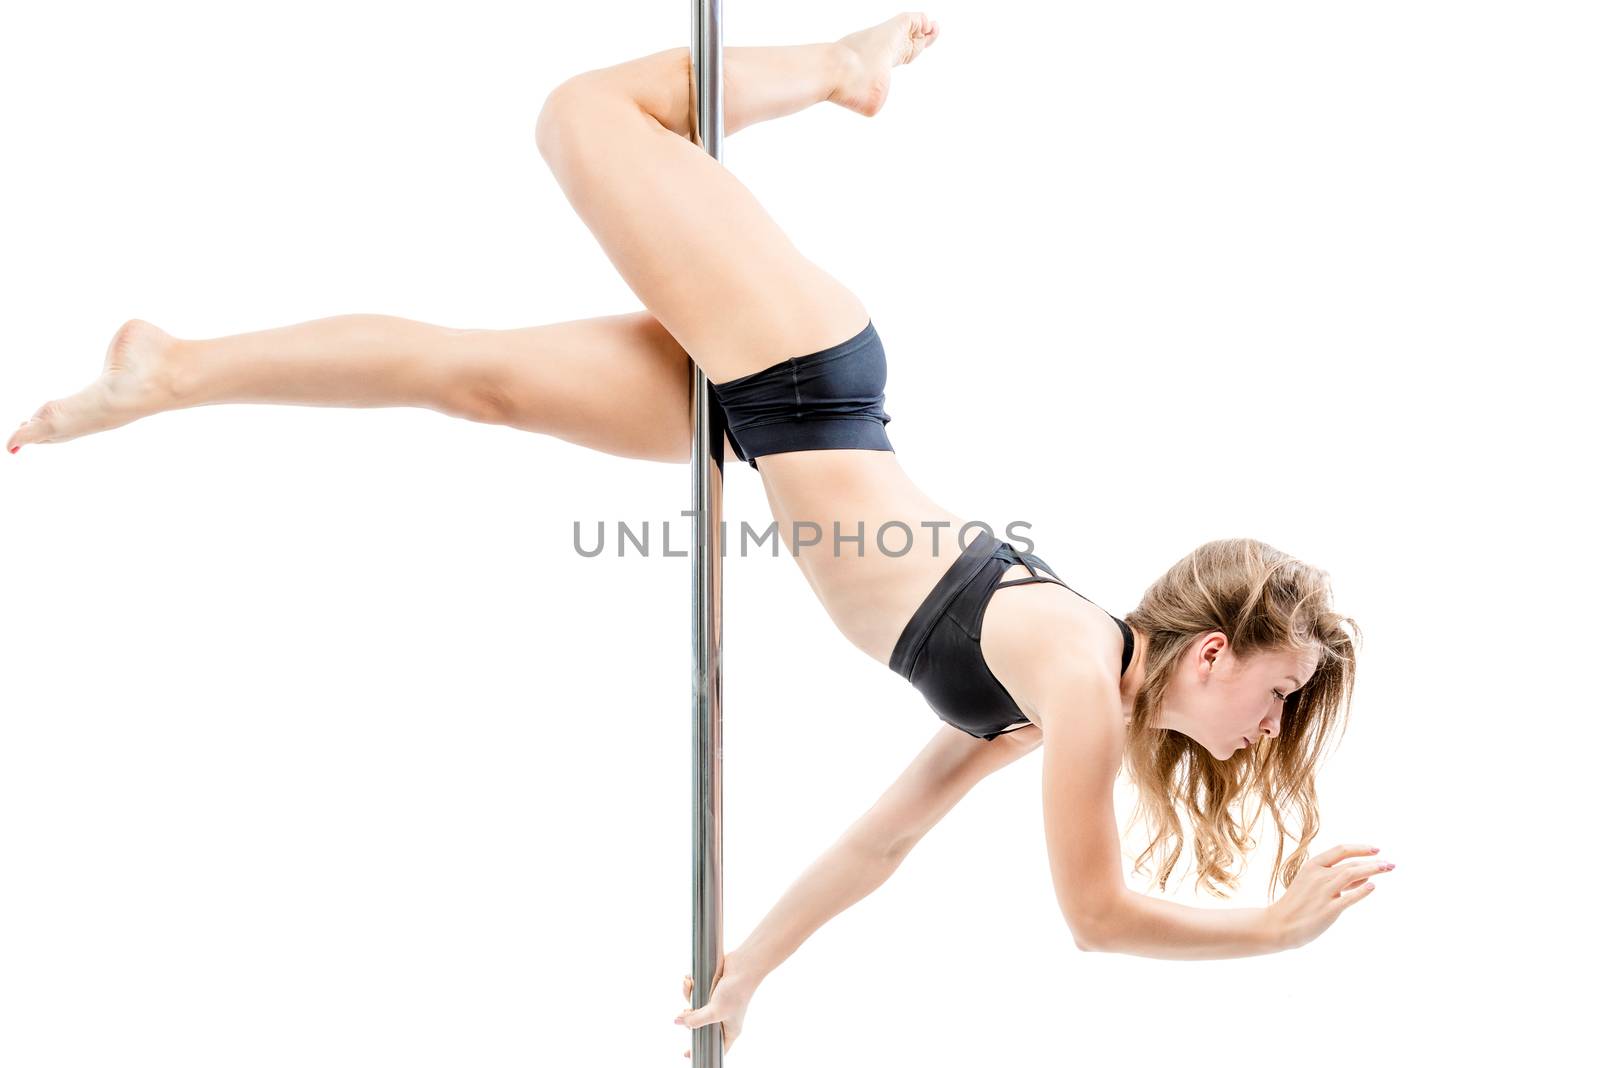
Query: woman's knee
pixel 559 114
pixel 659 85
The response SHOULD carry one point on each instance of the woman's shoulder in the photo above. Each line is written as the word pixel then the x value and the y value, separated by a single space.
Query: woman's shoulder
pixel 1042 636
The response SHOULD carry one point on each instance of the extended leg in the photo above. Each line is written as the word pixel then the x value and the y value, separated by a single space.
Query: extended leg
pixel 618 383
pixel 684 233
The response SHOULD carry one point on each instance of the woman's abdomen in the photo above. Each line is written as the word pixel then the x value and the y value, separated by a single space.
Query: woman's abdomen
pixel 892 544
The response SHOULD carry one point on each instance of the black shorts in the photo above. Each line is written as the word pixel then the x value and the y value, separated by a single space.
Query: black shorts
pixel 938 651
pixel 831 399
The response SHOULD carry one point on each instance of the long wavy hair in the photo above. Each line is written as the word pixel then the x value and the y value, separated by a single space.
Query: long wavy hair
pixel 1263 600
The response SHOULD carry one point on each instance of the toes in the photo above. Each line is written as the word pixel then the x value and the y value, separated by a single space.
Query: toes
pixel 37 428
pixel 63 419
pixel 922 32
pixel 20 437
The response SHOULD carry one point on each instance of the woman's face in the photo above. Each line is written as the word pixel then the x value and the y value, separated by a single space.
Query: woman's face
pixel 1225 703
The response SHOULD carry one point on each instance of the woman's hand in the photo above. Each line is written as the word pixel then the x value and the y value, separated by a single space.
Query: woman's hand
pixel 1322 889
pixel 730 997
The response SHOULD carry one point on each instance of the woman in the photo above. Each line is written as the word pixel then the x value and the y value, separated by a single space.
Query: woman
pixel 1236 645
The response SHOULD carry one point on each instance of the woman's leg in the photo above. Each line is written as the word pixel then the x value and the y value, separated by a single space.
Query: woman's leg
pixel 685 234
pixel 619 383
pixel 769 82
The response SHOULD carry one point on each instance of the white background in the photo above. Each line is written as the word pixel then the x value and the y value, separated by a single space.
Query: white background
pixel 319 745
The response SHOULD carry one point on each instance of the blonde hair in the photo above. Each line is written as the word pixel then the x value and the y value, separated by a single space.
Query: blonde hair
pixel 1264 601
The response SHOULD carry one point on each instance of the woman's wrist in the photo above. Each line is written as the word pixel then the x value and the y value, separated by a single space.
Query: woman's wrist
pixel 741 970
pixel 1274 934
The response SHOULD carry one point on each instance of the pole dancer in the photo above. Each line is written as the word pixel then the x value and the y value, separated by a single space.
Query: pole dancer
pixel 1221 687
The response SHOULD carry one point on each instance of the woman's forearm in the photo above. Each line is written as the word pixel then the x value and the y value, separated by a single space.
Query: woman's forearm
pixel 846 873
pixel 1150 927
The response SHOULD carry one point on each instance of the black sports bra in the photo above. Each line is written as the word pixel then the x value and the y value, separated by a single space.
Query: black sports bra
pixel 1050 576
pixel 940 653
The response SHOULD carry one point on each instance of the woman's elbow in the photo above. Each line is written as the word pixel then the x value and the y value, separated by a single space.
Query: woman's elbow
pixel 1081 936
pixel 1091 931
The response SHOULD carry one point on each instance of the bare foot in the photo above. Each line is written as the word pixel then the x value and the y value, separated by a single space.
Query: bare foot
pixel 874 52
pixel 136 381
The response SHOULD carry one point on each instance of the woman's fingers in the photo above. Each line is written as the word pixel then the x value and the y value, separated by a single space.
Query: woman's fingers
pixel 717 1010
pixel 688 985
pixel 697 1017
pixel 1343 852
pixel 1350 897
pixel 1355 874
pixel 693 1017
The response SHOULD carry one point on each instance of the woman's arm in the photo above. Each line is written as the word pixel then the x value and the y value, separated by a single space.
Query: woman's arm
pixel 873 847
pixel 1083 741
pixel 1150 927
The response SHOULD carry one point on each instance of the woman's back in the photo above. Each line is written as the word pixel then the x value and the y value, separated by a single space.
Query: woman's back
pixel 893 547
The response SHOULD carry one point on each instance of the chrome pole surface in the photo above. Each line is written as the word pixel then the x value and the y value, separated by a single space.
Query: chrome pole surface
pixel 705 130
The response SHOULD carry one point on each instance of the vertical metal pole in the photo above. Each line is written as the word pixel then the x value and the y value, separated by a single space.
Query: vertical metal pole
pixel 705 117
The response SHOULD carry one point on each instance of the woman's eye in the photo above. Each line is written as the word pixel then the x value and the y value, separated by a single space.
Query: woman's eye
pixel 1279 696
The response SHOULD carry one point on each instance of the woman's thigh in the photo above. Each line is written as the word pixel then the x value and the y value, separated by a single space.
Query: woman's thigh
pixel 686 235
pixel 620 384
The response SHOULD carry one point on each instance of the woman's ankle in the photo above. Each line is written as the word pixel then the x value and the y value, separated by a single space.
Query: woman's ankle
pixel 762 83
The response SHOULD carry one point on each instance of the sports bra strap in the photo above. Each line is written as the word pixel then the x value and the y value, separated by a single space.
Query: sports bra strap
pixel 1035 578
pixel 1014 557
pixel 1027 561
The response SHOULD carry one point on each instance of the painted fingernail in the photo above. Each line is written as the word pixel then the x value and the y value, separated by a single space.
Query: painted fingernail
pixel 14 448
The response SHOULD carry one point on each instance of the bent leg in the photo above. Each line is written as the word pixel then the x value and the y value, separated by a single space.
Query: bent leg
pixel 685 234
pixel 619 384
